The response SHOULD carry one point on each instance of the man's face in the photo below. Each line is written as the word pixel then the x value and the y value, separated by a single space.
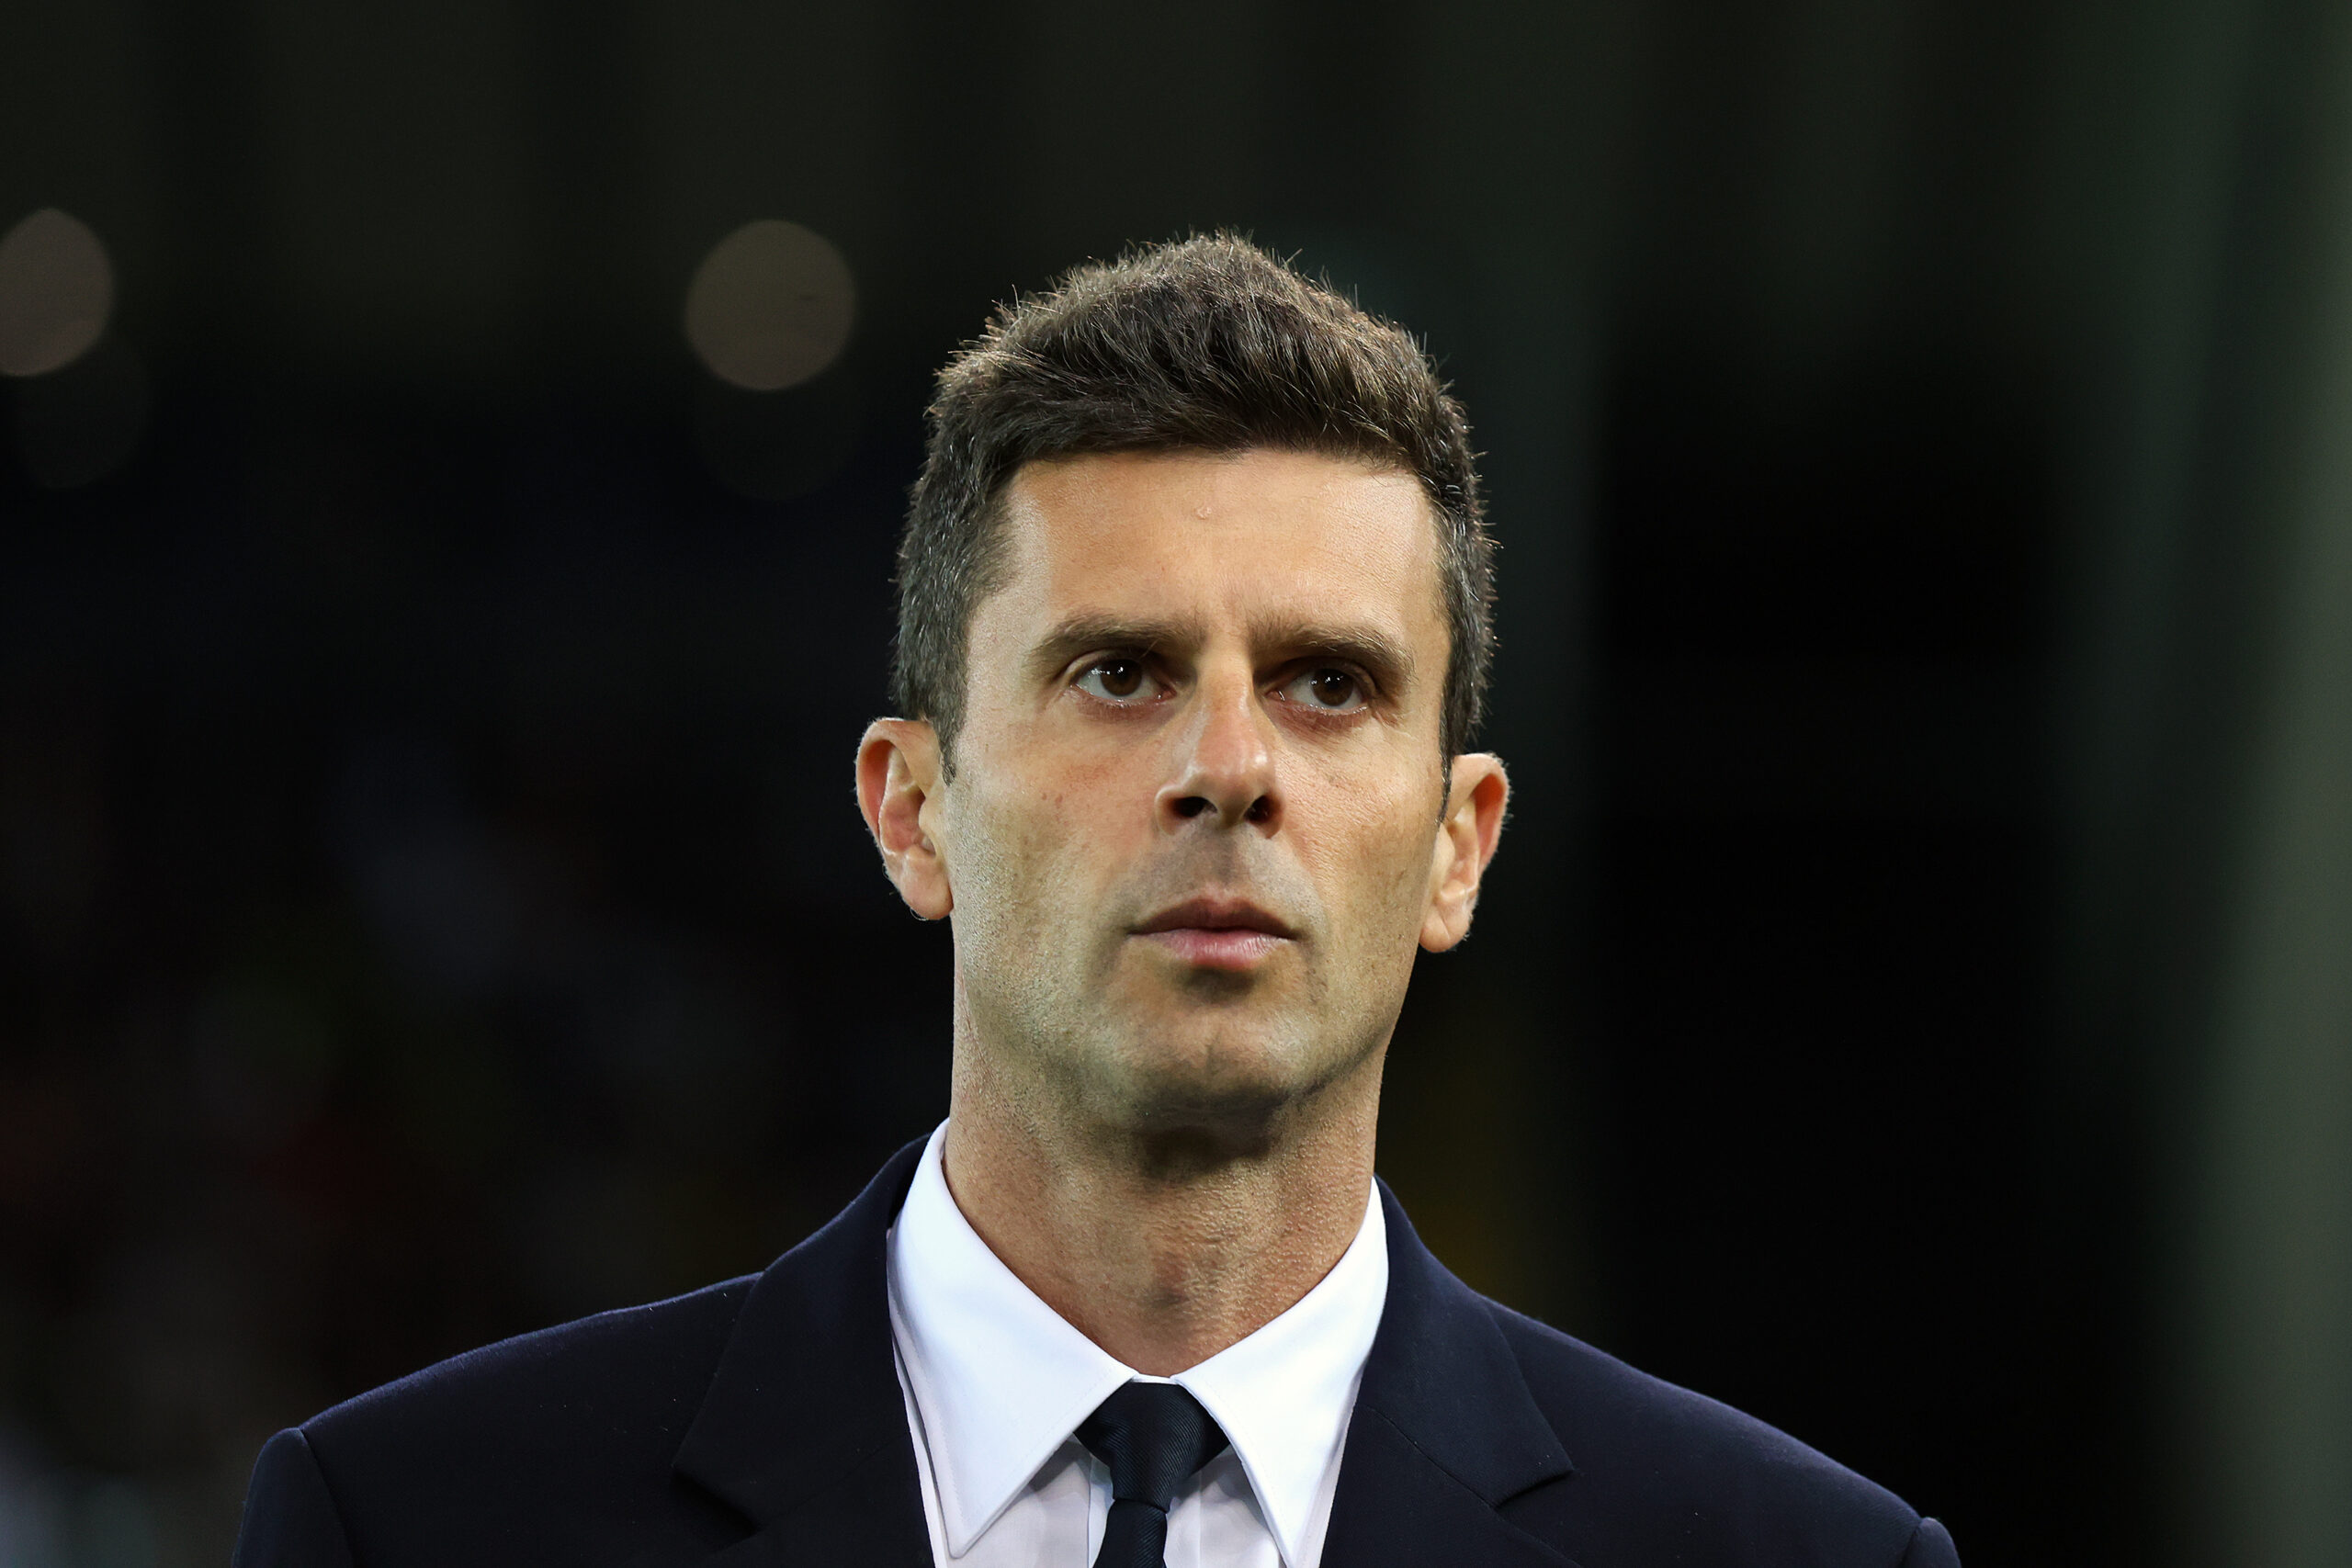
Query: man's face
pixel 1194 834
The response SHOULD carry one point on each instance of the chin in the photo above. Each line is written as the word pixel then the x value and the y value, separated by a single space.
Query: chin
pixel 1230 1086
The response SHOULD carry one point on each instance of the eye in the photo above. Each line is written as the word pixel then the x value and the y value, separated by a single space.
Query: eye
pixel 1326 689
pixel 1122 680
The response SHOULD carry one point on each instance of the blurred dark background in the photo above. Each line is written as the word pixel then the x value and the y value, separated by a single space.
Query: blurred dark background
pixel 1915 1002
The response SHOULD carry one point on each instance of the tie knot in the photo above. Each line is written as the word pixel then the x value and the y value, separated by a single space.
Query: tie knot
pixel 1152 1436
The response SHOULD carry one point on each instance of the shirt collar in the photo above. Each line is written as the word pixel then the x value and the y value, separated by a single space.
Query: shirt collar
pixel 1284 1393
pixel 1000 1381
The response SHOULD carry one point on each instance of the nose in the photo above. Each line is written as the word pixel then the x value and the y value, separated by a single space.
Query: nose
pixel 1225 772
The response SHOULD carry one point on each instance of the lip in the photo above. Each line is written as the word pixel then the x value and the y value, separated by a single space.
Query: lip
pixel 1213 932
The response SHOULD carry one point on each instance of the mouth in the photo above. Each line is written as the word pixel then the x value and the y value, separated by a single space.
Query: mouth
pixel 1218 933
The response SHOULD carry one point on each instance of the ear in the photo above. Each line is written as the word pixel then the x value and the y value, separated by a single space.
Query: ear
pixel 898 789
pixel 1465 847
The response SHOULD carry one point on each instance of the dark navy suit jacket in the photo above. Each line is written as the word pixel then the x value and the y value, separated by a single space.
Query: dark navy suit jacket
pixel 760 1422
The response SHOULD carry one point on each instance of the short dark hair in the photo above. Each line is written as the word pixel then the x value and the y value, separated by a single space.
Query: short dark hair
pixel 1204 344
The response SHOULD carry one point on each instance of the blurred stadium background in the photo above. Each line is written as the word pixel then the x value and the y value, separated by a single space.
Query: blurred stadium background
pixel 453 451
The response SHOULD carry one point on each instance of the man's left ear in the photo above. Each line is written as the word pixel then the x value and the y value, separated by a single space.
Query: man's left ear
pixel 1465 847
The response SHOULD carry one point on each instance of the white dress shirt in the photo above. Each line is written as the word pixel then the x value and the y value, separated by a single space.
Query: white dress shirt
pixel 996 1382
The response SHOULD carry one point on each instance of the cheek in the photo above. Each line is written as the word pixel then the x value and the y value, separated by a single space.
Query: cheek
pixel 1374 853
pixel 1038 837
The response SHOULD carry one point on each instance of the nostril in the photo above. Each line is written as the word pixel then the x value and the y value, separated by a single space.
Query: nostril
pixel 1261 809
pixel 1191 805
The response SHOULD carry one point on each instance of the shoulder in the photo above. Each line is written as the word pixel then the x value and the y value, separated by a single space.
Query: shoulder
pixel 519 1447
pixel 648 1364
pixel 1660 1471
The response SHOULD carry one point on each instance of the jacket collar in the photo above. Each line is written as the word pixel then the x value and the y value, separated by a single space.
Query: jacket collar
pixel 1444 1432
pixel 804 1428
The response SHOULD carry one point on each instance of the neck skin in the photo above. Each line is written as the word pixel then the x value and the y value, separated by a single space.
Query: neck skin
pixel 1163 1247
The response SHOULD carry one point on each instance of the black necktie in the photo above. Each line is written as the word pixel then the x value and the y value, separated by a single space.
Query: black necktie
pixel 1153 1435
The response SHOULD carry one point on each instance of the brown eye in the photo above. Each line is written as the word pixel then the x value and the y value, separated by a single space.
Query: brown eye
pixel 1116 680
pixel 1332 688
pixel 1328 690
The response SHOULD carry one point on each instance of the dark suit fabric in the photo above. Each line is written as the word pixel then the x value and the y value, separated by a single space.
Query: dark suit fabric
pixel 760 1422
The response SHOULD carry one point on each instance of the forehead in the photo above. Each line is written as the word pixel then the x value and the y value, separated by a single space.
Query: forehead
pixel 1261 535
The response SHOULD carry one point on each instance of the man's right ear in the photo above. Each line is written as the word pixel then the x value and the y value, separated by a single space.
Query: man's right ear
pixel 898 788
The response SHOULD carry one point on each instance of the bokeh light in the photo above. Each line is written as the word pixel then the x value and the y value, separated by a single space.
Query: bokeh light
pixel 56 292
pixel 770 306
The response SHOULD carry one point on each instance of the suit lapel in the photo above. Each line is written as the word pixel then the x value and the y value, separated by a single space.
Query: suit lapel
pixel 1444 1431
pixel 804 1428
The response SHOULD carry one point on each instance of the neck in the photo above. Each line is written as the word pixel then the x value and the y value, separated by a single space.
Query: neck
pixel 1162 1247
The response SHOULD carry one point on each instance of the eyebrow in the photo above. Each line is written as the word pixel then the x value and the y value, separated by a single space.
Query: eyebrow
pixel 1376 652
pixel 1084 634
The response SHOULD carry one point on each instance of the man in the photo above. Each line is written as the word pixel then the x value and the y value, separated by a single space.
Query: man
pixel 1193 626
